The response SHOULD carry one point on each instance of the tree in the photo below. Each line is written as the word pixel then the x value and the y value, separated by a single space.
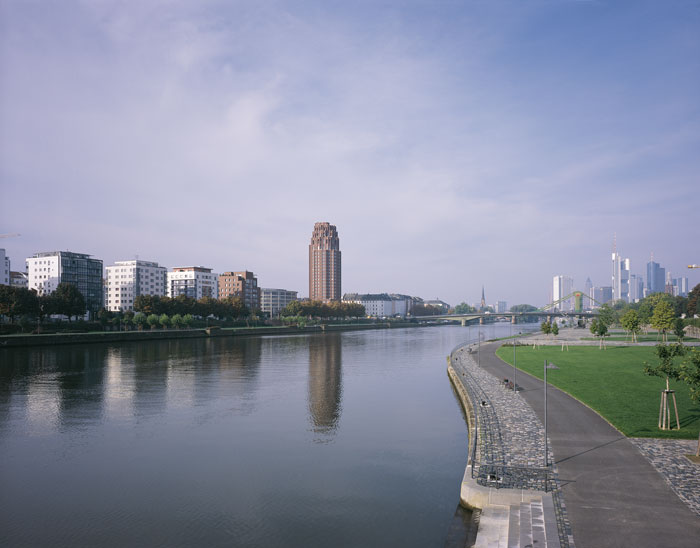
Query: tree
pixel 164 320
pixel 523 308
pixel 152 320
pixel 140 320
pixel 599 329
pixel 678 326
pixel 645 311
pixel 606 315
pixel 555 329
pixel 668 368
pixel 292 309
pixel 425 310
pixel 546 328
pixel 18 301
pixel 464 308
pixel 177 321
pixel 693 307
pixel 67 300
pixel 630 322
pixel 662 318
pixel 689 373
pixel 187 319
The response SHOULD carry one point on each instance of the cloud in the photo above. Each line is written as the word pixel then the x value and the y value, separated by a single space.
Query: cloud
pixel 218 133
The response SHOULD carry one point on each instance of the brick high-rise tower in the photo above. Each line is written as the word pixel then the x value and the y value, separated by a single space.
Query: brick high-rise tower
pixel 324 264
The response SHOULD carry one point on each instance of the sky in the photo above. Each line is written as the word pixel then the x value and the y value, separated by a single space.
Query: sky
pixel 454 144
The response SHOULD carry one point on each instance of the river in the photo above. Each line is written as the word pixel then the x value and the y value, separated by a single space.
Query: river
pixel 337 439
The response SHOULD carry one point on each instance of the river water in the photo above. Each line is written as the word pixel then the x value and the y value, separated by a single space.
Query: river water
pixel 338 439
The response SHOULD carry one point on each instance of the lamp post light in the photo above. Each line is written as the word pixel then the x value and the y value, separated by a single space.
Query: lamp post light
pixel 546 456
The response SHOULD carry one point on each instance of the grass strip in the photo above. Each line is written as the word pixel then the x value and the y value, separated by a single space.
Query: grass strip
pixel 613 383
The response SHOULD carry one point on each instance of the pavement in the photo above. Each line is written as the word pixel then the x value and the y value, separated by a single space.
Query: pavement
pixel 614 496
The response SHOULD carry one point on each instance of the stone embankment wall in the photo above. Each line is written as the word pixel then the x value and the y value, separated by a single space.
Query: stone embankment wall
pixel 505 468
pixel 166 334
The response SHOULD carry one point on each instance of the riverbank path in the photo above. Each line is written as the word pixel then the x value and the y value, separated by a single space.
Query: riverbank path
pixel 614 497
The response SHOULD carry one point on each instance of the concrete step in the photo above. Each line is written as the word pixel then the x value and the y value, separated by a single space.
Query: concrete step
pixel 525 525
pixel 533 525
pixel 514 526
pixel 493 528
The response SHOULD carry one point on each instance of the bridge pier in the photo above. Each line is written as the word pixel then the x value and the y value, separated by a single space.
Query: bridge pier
pixel 513 319
pixel 481 320
pixel 464 322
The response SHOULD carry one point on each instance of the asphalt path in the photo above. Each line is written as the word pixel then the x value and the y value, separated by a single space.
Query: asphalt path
pixel 613 495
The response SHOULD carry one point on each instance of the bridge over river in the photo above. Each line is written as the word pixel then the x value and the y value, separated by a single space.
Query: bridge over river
pixel 512 316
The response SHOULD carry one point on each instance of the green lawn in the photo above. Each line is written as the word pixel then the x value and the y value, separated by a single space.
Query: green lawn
pixel 640 338
pixel 613 383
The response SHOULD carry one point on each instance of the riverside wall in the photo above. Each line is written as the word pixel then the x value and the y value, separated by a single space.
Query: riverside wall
pixel 11 341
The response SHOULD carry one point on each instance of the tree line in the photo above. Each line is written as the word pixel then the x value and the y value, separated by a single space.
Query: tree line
pixel 66 300
pixel 19 301
pixel 231 308
pixel 319 309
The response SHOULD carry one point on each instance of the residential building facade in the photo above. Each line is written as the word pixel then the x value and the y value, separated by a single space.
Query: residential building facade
pixel 192 281
pixel 46 270
pixel 4 268
pixel 379 305
pixel 240 284
pixel 272 301
pixel 324 264
pixel 126 280
pixel 18 279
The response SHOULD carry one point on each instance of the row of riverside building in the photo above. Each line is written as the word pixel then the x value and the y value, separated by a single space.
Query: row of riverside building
pixel 116 287
pixel 126 280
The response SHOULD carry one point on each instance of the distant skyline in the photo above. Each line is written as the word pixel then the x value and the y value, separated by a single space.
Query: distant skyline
pixel 454 145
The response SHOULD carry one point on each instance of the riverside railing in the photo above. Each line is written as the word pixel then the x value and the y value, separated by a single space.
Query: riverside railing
pixel 488 465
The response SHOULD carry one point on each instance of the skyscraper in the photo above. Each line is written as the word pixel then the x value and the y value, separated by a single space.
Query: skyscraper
pixel 620 276
pixel 656 277
pixel 561 287
pixel 324 264
pixel 636 288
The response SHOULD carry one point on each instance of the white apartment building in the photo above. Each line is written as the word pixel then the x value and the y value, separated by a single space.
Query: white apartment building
pixel 379 305
pixel 561 287
pixel 192 281
pixel 4 268
pixel 272 301
pixel 46 270
pixel 126 280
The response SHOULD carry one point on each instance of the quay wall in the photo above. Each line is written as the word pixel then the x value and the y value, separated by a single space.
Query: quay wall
pixel 9 341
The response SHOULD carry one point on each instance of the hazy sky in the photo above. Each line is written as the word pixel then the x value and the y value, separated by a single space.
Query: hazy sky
pixel 453 144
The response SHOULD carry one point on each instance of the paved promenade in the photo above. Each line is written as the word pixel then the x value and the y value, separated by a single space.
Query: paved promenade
pixel 511 438
pixel 614 496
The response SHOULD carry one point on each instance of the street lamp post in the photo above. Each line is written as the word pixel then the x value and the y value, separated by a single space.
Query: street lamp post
pixel 546 456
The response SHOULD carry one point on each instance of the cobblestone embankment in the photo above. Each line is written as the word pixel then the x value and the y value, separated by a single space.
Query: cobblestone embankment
pixel 668 457
pixel 510 438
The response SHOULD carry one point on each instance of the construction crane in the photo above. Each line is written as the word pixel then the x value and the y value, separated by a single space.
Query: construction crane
pixel 9 235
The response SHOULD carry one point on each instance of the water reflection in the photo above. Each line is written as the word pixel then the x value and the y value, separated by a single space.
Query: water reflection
pixel 67 386
pixel 325 383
